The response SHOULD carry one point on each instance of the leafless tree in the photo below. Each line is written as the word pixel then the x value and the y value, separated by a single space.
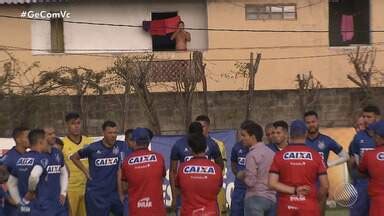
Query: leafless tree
pixel 365 75
pixel 309 91
pixel 78 80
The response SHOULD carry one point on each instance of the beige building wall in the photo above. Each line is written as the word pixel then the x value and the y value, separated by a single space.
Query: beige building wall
pixel 272 74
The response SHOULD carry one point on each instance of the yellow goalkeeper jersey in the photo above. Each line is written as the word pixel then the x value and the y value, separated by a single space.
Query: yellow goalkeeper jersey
pixel 77 179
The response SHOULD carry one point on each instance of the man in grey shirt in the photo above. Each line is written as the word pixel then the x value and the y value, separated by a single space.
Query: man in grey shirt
pixel 259 199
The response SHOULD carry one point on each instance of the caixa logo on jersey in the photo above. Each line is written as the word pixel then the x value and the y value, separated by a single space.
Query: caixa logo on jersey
pixel 53 169
pixel 106 161
pixel 144 203
pixel 199 170
pixel 142 159
pixel 297 156
pixel 25 162
pixel 380 156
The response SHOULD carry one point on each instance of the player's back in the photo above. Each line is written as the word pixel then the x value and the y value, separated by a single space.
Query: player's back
pixel 200 181
pixel 24 167
pixel 76 181
pixel 374 161
pixel 299 165
pixel 144 171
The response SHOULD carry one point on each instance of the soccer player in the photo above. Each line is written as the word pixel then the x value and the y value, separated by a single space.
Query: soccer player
pixel 39 181
pixel 181 152
pixel 238 154
pixel 104 158
pixel 323 143
pixel 361 143
pixel 280 136
pixel 20 136
pixel 142 174
pixel 199 180
pixel 294 174
pixel 269 131
pixel 73 142
pixel 259 198
pixel 372 165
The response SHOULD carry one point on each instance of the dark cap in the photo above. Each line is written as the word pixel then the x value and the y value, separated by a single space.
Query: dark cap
pixel 141 135
pixel 298 128
pixel 377 128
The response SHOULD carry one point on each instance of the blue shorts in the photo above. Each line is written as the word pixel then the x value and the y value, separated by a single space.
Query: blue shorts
pixel 361 206
pixel 49 209
pixel 237 201
pixel 103 204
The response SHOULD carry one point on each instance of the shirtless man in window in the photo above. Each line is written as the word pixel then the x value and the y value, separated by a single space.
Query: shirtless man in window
pixel 181 37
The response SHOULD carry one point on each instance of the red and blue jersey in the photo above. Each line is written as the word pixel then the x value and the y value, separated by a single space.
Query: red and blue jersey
pixel 144 171
pixel 298 165
pixel 324 144
pixel 238 154
pixel 182 152
pixel 24 166
pixel 372 164
pixel 199 181
pixel 103 163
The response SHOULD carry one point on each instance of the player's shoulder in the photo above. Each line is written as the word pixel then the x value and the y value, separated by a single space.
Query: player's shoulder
pixel 326 138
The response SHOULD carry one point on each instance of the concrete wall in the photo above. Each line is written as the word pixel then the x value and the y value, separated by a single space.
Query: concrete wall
pixel 336 108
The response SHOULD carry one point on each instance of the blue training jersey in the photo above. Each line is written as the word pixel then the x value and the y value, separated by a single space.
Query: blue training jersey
pixel 361 143
pixel 182 152
pixel 324 144
pixel 24 166
pixel 104 163
pixel 273 147
pixel 238 154
pixel 10 158
pixel 50 191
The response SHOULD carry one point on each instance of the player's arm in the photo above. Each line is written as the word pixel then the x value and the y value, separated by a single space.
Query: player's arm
pixel 75 158
pixel 217 156
pixel 13 189
pixel 274 184
pixel 33 181
pixel 343 157
pixel 63 183
pixel 234 159
pixel 323 189
pixel 188 36
pixel 120 183
pixel 337 149
pixel 172 180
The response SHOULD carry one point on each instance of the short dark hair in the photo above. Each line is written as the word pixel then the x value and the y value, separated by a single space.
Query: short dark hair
pixel 35 135
pixel 268 126
pixel 72 115
pixel 254 129
pixel 311 113
pixel 18 131
pixel 195 127
pixel 246 122
pixel 150 133
pixel 282 124
pixel 372 109
pixel 203 118
pixel 59 142
pixel 197 142
pixel 128 134
pixel 108 123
